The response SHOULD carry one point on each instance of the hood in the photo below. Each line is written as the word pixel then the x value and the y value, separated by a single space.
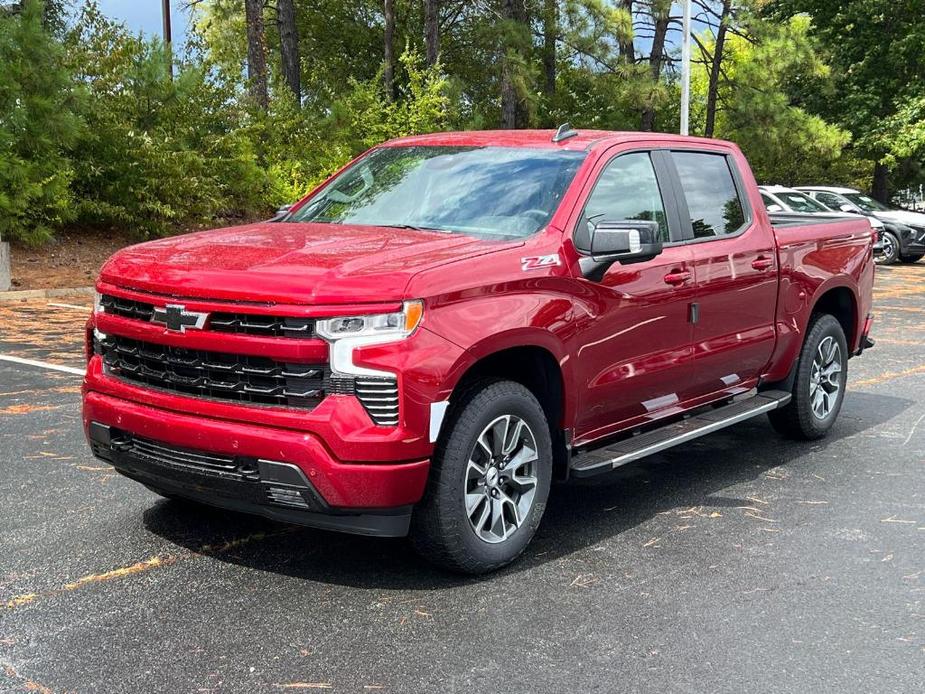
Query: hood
pixel 916 219
pixel 300 263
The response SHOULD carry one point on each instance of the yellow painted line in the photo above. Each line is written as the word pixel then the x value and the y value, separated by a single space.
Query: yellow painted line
pixel 72 306
pixel 889 376
pixel 155 562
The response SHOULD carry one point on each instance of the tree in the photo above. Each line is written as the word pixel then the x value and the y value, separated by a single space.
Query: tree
pixel 877 51
pixel 388 72
pixel 660 13
pixel 37 124
pixel 431 31
pixel 550 36
pixel 716 67
pixel 289 47
pixel 516 30
pixel 256 53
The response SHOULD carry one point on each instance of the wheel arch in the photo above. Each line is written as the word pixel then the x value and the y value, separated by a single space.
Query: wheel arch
pixel 840 302
pixel 538 369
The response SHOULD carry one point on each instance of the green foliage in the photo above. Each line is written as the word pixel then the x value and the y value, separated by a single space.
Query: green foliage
pixel 157 154
pixel 784 143
pixel 36 123
pixel 93 131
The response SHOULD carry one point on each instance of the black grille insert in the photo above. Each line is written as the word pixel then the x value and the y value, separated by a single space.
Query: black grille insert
pixel 248 379
pixel 219 321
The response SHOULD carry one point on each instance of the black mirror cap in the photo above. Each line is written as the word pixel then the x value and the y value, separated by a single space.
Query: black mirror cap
pixel 627 241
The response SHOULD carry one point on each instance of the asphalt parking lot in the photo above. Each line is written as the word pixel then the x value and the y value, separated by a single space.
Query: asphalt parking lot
pixel 738 563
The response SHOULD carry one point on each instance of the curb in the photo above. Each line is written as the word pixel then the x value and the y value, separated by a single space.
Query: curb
pixel 43 293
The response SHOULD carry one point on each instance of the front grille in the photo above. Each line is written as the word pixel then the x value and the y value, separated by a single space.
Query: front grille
pixel 380 398
pixel 247 379
pixel 219 321
pixel 212 464
pixel 247 479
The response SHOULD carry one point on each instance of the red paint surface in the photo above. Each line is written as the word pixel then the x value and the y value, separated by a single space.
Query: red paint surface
pixel 627 351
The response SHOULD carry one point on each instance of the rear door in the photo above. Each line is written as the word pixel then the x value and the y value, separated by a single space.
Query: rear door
pixel 635 358
pixel 735 273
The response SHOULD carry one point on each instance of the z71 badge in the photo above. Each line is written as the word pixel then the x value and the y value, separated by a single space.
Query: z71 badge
pixel 537 261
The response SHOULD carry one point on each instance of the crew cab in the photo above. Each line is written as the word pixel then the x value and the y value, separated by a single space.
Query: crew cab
pixel 428 339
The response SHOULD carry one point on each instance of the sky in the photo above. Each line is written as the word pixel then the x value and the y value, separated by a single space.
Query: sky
pixel 145 15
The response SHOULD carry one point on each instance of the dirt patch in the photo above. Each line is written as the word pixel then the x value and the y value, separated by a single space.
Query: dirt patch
pixel 70 260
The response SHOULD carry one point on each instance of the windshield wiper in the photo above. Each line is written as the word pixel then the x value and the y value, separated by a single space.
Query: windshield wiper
pixel 413 227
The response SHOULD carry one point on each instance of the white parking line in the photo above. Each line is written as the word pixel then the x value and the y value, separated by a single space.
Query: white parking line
pixel 43 365
pixel 73 306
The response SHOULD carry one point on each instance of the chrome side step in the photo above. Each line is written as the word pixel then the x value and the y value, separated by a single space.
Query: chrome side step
pixel 601 460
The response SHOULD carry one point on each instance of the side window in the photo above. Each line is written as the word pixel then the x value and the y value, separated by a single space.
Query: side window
pixel 710 191
pixel 767 201
pixel 628 189
pixel 829 200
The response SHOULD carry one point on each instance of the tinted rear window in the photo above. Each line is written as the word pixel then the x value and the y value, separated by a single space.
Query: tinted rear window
pixel 710 191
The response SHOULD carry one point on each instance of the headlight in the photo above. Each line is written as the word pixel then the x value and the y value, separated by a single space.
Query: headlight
pixel 346 333
pixel 388 326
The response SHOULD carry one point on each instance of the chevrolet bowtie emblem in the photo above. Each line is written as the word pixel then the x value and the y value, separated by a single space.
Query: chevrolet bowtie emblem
pixel 176 317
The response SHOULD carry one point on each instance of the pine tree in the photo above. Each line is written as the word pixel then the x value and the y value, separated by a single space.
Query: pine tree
pixel 36 124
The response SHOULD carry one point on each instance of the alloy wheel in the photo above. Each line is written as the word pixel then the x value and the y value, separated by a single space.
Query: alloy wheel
pixel 501 478
pixel 825 378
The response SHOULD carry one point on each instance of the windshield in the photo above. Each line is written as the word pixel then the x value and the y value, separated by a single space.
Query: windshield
pixel 802 203
pixel 492 191
pixel 866 203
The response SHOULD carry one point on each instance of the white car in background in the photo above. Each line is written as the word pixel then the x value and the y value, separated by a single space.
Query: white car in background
pixel 781 199
pixel 904 231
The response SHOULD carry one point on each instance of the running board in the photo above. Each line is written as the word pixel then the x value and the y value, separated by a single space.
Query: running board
pixel 601 460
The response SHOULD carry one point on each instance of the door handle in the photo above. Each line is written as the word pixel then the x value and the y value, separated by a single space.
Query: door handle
pixel 677 277
pixel 763 263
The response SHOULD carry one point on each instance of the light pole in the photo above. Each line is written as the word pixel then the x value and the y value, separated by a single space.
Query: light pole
pixel 686 67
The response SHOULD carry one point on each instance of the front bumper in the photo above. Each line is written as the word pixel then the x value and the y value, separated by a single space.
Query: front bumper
pixel 277 473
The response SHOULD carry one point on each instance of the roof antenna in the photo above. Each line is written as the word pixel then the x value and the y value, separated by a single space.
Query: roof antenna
pixel 564 132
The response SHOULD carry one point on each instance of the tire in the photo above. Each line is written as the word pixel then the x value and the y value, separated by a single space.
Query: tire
pixel 804 418
pixel 912 257
pixel 890 252
pixel 466 481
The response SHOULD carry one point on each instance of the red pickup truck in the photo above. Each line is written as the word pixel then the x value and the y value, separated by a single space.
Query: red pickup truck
pixel 428 339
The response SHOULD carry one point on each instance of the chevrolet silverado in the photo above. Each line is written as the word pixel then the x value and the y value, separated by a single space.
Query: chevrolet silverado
pixel 451 322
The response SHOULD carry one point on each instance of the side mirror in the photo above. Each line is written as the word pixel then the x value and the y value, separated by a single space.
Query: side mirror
pixel 281 213
pixel 773 207
pixel 847 208
pixel 627 241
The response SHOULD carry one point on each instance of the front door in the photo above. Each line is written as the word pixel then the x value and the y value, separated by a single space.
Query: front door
pixel 635 358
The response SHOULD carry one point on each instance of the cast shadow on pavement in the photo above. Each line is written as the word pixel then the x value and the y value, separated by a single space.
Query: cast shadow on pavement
pixel 578 515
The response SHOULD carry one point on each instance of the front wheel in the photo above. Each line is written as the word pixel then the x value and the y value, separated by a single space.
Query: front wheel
pixel 819 386
pixel 489 481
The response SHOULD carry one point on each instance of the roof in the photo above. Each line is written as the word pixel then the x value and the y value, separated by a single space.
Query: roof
pixel 584 139
pixel 777 189
pixel 829 189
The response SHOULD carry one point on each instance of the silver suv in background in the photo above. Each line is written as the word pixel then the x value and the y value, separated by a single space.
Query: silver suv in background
pixel 903 235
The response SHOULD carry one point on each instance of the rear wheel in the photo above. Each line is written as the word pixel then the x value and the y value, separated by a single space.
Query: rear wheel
pixel 488 483
pixel 889 253
pixel 912 257
pixel 819 386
